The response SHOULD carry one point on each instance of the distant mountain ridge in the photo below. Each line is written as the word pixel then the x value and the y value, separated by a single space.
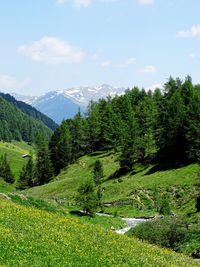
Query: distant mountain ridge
pixel 64 104
pixel 17 125
pixel 30 111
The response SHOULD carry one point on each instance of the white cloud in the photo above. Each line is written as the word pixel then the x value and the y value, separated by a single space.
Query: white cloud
pixel 148 69
pixel 106 63
pixel 127 62
pixel 82 3
pixel 10 83
pixel 77 3
pixel 145 2
pixel 194 32
pixel 51 50
pixel 59 2
pixel 192 55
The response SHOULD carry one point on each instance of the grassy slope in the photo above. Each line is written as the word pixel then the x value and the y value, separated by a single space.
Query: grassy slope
pixel 14 151
pixel 31 237
pixel 138 185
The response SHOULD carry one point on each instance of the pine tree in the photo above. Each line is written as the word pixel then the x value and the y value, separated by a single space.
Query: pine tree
pixel 26 178
pixel 98 172
pixel 5 171
pixel 79 136
pixel 94 126
pixel 131 145
pixel 60 148
pixel 44 168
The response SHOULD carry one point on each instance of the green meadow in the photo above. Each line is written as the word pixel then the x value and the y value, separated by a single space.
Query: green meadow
pixel 35 237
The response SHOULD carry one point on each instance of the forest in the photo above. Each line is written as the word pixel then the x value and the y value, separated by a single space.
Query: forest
pixel 161 127
pixel 17 125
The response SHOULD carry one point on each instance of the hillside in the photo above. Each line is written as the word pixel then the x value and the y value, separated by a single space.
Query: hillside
pixel 30 111
pixel 14 150
pixel 32 237
pixel 16 125
pixel 137 186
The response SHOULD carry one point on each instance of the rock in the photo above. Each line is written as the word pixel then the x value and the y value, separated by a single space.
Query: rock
pixel 4 196
pixel 19 195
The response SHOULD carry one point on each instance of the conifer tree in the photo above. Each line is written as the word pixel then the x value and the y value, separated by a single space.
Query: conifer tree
pixel 79 136
pixel 98 172
pixel 94 126
pixel 60 148
pixel 5 171
pixel 43 168
pixel 26 178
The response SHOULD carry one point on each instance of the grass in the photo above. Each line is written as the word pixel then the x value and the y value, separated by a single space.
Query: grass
pixel 33 237
pixel 14 151
pixel 71 212
pixel 137 186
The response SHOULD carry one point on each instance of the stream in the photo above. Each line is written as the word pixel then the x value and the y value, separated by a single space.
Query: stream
pixel 130 222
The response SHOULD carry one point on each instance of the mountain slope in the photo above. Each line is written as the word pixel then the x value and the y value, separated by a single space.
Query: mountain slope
pixel 30 111
pixel 57 106
pixel 16 125
pixel 136 187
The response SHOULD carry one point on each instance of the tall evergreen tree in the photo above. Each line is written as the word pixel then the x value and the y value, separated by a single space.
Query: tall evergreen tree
pixel 79 136
pixel 94 126
pixel 44 168
pixel 98 172
pixel 26 178
pixel 131 145
pixel 60 147
pixel 5 171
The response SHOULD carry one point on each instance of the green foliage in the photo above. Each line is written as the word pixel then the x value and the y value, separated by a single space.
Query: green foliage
pixel 166 231
pixel 16 125
pixel 5 171
pixel 98 172
pixel 26 178
pixel 171 232
pixel 60 148
pixel 43 169
pixel 87 197
pixel 165 205
pixel 30 111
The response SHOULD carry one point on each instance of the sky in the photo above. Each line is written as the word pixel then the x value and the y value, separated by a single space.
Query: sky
pixel 50 45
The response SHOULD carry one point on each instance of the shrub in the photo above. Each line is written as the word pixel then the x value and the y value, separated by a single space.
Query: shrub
pixel 164 231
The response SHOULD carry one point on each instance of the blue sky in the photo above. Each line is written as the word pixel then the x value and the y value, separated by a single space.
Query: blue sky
pixel 57 44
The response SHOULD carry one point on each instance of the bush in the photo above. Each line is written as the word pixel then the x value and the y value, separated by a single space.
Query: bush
pixel 164 231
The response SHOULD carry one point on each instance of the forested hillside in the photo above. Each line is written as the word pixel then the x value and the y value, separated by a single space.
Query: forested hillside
pixel 161 127
pixel 30 111
pixel 16 125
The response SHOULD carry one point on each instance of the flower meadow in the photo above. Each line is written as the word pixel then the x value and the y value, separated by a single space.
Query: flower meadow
pixel 32 237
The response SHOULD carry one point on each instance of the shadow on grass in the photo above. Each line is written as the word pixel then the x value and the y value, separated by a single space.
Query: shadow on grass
pixel 164 167
pixel 78 213
pixel 117 174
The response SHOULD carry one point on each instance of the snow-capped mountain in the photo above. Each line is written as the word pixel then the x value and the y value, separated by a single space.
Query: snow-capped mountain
pixel 63 104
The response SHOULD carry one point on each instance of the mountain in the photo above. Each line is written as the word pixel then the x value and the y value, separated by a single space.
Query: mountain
pixel 16 125
pixel 64 104
pixel 30 111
